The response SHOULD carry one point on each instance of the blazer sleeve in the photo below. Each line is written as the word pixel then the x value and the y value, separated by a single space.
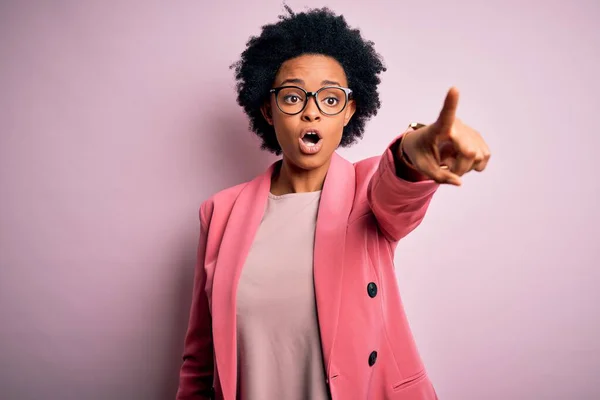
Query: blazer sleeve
pixel 398 205
pixel 196 373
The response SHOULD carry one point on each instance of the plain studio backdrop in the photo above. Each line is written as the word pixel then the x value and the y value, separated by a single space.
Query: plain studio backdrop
pixel 117 119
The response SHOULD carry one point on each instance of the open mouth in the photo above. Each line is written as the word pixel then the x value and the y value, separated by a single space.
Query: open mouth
pixel 311 138
pixel 310 141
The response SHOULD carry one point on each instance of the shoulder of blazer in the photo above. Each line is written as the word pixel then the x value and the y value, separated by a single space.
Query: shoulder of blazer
pixel 365 169
pixel 220 203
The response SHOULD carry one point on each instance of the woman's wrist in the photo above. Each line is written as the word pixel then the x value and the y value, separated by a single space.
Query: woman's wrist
pixel 402 152
pixel 405 168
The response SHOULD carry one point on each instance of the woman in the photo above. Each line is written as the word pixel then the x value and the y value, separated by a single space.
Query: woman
pixel 295 294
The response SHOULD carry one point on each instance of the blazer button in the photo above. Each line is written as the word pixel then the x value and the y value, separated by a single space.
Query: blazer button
pixel 372 289
pixel 372 358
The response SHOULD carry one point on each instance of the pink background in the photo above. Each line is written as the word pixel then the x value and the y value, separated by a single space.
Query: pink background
pixel 117 120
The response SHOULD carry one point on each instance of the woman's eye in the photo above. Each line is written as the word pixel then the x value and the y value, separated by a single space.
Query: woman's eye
pixel 292 99
pixel 331 101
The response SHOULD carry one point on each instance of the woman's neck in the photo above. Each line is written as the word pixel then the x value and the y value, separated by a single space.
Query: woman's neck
pixel 291 179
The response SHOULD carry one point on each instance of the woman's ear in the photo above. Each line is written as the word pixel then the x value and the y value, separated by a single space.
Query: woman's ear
pixel 349 111
pixel 267 113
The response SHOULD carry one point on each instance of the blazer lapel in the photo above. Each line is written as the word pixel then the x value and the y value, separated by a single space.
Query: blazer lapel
pixel 336 203
pixel 238 236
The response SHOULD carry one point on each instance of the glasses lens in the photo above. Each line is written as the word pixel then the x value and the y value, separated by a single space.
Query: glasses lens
pixel 291 100
pixel 331 100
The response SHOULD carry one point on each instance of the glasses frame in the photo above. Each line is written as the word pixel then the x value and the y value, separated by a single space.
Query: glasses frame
pixel 347 91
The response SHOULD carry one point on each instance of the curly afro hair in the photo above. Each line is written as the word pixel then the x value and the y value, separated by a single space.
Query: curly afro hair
pixel 317 31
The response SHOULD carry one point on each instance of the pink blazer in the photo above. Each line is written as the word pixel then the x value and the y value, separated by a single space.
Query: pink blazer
pixel 368 348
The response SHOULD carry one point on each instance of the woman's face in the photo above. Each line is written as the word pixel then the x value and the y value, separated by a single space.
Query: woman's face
pixel 310 72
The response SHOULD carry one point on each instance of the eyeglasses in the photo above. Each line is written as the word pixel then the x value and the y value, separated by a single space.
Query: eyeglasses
pixel 330 100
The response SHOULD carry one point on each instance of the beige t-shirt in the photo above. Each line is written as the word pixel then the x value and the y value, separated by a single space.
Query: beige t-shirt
pixel 279 347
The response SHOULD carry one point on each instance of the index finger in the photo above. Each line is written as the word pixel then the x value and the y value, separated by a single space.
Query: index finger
pixel 448 113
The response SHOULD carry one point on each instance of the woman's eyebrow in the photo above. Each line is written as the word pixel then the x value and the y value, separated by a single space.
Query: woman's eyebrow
pixel 301 82
pixel 292 80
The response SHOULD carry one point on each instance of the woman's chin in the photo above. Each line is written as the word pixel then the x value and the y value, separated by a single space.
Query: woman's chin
pixel 309 162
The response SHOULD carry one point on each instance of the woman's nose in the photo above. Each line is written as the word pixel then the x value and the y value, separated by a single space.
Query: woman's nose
pixel 311 111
